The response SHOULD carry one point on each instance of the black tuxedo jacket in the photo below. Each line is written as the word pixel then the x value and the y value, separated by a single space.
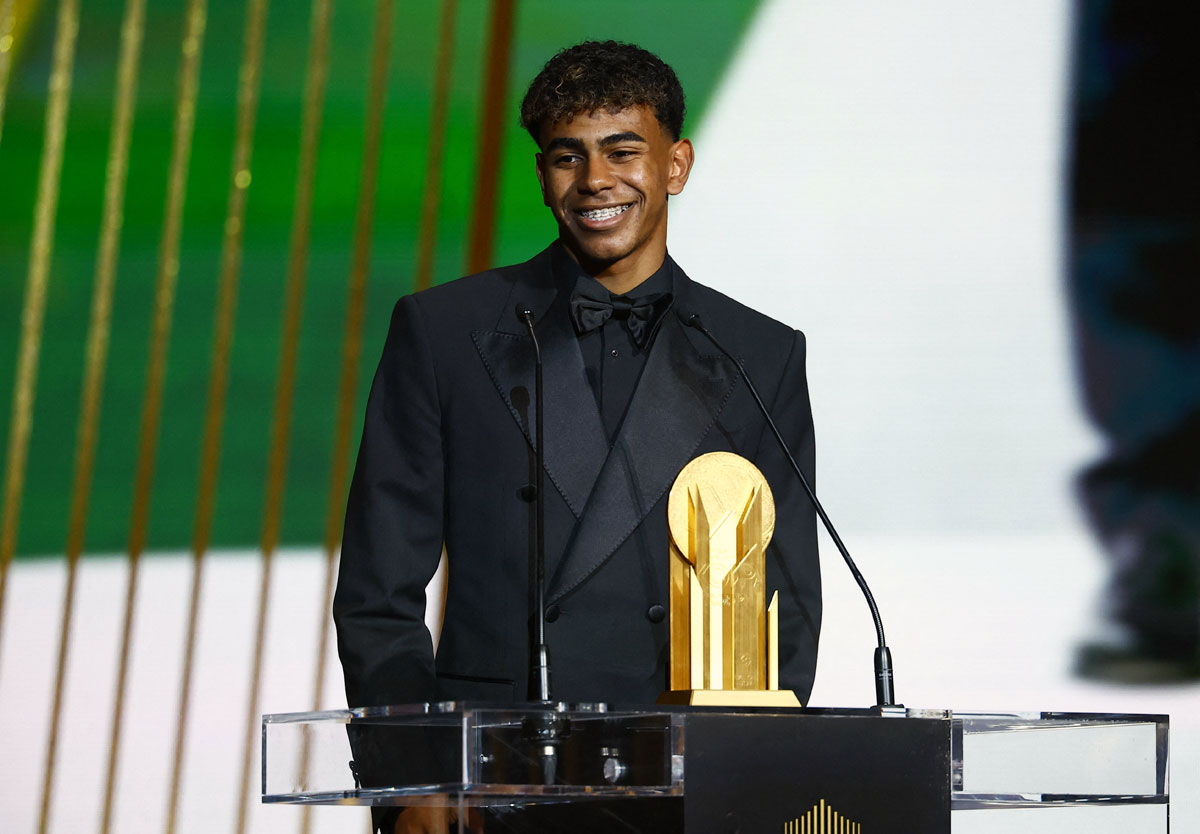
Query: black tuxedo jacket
pixel 447 457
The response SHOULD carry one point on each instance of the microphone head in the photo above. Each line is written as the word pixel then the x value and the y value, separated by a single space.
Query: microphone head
pixel 525 313
pixel 693 320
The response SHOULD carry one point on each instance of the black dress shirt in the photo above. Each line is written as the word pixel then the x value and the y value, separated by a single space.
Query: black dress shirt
pixel 612 359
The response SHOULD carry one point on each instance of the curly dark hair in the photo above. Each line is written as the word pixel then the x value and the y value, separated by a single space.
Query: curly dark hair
pixel 603 75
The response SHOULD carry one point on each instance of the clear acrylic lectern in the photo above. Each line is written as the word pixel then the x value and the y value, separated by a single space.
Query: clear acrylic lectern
pixel 795 771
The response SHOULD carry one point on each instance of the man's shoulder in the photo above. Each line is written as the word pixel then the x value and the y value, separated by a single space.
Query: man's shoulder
pixel 731 317
pixel 478 286
pixel 481 292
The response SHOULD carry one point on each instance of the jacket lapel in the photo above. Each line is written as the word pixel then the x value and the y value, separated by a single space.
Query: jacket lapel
pixel 576 444
pixel 679 395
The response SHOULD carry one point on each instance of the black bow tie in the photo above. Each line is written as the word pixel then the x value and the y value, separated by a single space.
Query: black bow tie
pixel 638 316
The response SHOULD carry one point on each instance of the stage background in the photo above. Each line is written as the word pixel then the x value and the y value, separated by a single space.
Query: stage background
pixel 886 177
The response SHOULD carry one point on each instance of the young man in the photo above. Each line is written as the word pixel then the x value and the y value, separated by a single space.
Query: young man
pixel 631 395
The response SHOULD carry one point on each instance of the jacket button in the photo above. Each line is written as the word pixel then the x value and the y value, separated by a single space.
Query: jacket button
pixel 656 613
pixel 552 612
pixel 527 493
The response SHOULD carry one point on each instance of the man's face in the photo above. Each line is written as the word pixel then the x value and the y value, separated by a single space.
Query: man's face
pixel 606 177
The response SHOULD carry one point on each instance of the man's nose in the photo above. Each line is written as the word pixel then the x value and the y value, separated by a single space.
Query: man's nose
pixel 597 176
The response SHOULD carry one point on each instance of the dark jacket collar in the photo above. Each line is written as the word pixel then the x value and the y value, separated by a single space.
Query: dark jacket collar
pixel 679 395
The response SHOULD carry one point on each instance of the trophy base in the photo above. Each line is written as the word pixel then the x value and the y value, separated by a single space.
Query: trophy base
pixel 730 698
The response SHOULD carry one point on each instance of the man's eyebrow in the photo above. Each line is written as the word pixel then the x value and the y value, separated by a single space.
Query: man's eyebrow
pixel 569 142
pixel 618 138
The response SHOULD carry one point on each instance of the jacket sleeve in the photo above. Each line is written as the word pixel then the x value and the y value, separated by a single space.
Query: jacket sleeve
pixel 793 567
pixel 394 526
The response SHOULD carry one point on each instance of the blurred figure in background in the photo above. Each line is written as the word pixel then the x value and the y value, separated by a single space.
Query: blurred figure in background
pixel 1134 284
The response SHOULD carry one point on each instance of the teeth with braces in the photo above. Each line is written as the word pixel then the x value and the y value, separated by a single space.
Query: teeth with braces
pixel 604 213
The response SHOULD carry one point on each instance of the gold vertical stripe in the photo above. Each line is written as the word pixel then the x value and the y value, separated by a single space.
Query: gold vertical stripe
pixel 364 222
pixel 432 188
pixel 164 305
pixel 132 31
pixel 8 25
pixel 32 320
pixel 680 618
pixel 314 100
pixel 99 328
pixel 492 122
pixel 698 549
pixel 360 265
pixel 249 77
pixel 33 311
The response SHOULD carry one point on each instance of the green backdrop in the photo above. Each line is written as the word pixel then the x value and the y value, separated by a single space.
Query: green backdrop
pixel 698 38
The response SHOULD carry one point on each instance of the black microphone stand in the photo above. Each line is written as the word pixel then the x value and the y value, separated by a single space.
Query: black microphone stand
pixel 884 693
pixel 549 728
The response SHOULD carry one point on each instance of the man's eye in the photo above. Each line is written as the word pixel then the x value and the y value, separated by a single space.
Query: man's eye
pixel 623 154
pixel 566 159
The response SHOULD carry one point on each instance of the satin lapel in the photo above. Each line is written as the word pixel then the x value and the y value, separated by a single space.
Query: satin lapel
pixel 576 445
pixel 678 398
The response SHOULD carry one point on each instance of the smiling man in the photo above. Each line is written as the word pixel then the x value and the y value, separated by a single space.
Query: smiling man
pixel 606 177
pixel 631 395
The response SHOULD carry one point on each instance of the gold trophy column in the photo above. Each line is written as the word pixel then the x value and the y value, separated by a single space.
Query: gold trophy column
pixel 724 637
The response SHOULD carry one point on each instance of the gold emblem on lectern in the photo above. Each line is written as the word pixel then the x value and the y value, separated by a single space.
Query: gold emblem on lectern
pixel 724 637
pixel 821 819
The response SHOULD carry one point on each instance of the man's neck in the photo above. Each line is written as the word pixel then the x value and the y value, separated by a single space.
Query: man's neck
pixel 625 275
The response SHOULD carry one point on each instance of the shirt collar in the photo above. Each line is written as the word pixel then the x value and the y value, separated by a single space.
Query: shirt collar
pixel 569 274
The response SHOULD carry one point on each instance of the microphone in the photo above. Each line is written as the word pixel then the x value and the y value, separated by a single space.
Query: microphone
pixel 546 730
pixel 884 694
pixel 539 669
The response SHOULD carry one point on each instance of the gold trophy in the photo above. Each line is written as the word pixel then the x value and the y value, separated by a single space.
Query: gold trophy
pixel 724 637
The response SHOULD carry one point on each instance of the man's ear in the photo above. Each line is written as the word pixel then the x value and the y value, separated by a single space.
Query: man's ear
pixel 682 157
pixel 539 161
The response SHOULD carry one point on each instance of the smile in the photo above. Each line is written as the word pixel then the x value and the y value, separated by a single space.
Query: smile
pixel 596 215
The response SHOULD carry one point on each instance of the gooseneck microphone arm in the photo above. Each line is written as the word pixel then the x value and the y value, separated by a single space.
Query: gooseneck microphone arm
pixel 539 670
pixel 884 695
